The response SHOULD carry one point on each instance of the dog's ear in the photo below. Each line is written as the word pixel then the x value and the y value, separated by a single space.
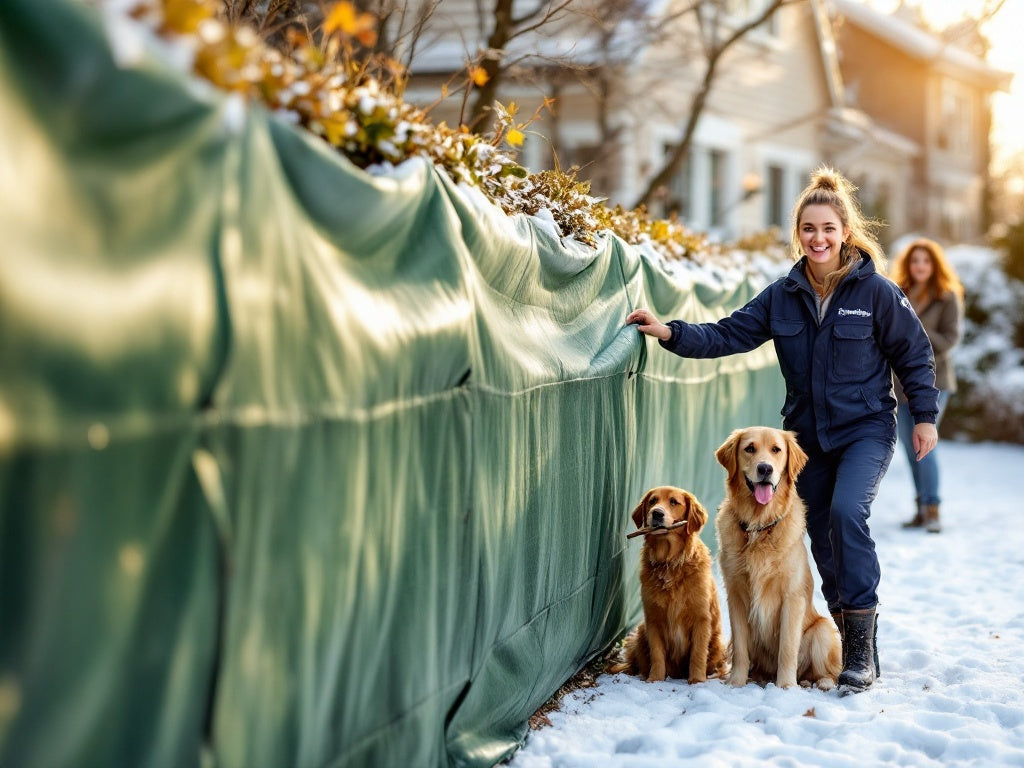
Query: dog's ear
pixel 796 457
pixel 696 515
pixel 640 514
pixel 726 453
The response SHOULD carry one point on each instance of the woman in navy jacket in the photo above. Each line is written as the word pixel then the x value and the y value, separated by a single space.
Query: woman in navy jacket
pixel 840 331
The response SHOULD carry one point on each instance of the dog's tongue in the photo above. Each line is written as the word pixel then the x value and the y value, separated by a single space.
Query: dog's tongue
pixel 763 492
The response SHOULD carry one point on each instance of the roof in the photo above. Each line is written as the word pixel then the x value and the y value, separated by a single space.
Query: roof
pixel 922 45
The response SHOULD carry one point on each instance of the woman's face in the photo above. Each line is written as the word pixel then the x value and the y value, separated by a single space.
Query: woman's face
pixel 821 236
pixel 919 266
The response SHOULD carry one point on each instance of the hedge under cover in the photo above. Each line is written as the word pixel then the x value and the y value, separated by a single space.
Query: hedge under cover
pixel 300 466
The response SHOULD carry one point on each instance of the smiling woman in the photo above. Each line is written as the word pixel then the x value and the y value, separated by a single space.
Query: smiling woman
pixel 840 331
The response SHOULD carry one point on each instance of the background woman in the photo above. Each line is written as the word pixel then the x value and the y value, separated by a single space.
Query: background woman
pixel 934 290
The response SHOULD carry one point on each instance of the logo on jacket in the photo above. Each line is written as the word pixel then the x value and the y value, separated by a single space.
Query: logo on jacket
pixel 843 312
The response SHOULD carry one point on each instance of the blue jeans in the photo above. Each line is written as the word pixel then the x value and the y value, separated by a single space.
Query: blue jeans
pixel 838 488
pixel 925 471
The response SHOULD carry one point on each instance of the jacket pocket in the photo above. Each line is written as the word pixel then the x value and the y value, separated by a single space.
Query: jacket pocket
pixel 854 351
pixel 791 346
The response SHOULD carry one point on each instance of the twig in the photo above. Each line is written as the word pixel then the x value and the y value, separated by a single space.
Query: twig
pixel 659 529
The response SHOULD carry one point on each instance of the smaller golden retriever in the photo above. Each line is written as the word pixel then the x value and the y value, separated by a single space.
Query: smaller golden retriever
pixel 776 631
pixel 681 634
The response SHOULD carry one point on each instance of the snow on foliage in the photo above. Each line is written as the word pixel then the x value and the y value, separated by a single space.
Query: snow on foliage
pixel 989 361
pixel 355 104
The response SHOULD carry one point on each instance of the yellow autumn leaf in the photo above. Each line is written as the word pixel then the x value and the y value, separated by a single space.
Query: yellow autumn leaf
pixel 185 16
pixel 478 76
pixel 344 18
pixel 515 137
pixel 341 17
pixel 334 130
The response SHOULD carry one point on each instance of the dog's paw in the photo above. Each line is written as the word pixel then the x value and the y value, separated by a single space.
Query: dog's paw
pixel 737 681
pixel 785 682
pixel 825 683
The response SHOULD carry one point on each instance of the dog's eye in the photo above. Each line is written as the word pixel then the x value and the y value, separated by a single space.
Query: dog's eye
pixel 750 448
pixel 673 502
pixel 776 449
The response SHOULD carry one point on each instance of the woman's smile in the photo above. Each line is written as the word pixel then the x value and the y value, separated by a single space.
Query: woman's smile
pixel 821 236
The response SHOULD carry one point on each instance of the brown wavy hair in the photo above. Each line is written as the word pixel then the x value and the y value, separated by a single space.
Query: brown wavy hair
pixel 829 187
pixel 944 277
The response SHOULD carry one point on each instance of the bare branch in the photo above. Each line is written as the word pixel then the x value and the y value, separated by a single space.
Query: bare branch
pixel 553 11
pixel 714 53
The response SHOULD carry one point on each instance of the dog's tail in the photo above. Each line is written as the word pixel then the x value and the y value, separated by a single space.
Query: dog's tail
pixel 620 666
pixel 629 656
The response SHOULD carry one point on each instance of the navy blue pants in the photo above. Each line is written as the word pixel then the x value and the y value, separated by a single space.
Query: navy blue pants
pixel 838 488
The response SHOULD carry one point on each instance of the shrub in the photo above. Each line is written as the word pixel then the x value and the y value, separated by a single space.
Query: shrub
pixel 321 74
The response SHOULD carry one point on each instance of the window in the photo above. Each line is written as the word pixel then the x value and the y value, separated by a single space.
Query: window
pixel 718 160
pixel 679 200
pixel 775 197
pixel 957 116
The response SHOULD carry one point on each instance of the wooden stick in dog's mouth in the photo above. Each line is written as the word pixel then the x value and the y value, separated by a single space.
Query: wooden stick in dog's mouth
pixel 660 529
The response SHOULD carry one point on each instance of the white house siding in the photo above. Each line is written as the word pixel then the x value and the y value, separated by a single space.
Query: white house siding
pixel 766 110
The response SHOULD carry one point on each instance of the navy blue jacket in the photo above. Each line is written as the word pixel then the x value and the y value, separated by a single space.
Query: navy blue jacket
pixel 838 373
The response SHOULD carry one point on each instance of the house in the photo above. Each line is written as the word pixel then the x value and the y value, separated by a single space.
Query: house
pixel 931 93
pixel 803 88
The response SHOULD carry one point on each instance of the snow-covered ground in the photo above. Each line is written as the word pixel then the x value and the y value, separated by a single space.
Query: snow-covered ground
pixel 951 637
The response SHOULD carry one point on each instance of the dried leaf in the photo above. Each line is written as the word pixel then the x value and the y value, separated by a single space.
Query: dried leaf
pixel 185 16
pixel 478 76
pixel 334 130
pixel 344 18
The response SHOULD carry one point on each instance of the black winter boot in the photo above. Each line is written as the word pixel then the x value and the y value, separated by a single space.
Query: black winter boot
pixel 859 661
pixel 837 617
pixel 874 646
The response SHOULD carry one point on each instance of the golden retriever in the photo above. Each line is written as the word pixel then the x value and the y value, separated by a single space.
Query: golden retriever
pixel 776 631
pixel 681 634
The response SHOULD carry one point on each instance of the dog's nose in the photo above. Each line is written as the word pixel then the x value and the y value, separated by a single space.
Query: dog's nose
pixel 657 516
pixel 764 471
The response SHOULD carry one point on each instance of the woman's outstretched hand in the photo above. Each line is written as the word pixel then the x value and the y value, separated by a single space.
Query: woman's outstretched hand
pixel 648 324
pixel 926 437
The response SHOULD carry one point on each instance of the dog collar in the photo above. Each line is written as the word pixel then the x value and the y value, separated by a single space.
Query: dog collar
pixel 758 529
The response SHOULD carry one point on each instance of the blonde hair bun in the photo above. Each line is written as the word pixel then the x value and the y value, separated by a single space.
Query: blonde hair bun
pixel 831 180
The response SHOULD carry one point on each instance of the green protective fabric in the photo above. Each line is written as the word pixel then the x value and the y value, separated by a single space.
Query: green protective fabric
pixel 301 466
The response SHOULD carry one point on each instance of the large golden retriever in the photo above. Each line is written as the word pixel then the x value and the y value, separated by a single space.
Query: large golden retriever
pixel 681 634
pixel 776 632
